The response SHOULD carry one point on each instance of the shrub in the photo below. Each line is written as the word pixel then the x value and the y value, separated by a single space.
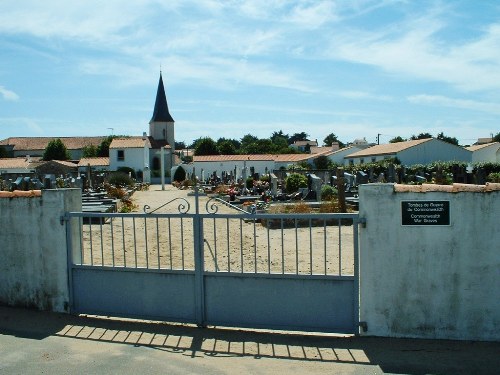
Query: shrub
pixel 331 206
pixel 249 183
pixel 295 181
pixel 128 206
pixel 494 177
pixel 120 179
pixel 328 192
pixel 180 174
pixel 127 171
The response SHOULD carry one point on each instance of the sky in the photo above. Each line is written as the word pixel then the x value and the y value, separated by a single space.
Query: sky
pixel 355 68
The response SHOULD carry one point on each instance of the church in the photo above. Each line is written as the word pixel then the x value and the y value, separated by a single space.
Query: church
pixel 143 154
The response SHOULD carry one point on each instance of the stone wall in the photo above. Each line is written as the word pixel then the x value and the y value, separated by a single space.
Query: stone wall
pixel 33 255
pixel 431 281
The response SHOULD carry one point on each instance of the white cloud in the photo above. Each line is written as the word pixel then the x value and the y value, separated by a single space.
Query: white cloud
pixel 8 94
pixel 414 49
pixel 364 95
pixel 438 100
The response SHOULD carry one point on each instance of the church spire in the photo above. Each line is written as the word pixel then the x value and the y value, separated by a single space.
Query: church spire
pixel 161 113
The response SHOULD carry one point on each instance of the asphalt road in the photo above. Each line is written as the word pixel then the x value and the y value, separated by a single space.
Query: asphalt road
pixel 33 342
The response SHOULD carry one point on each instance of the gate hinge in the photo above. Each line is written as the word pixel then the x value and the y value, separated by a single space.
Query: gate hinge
pixel 362 221
pixel 364 326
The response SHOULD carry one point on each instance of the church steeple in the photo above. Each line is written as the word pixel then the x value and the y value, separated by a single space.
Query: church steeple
pixel 161 113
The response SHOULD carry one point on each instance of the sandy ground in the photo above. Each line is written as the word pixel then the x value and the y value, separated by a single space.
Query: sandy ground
pixel 233 244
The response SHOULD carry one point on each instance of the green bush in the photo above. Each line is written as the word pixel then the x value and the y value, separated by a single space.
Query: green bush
pixel 180 174
pixel 328 192
pixel 249 183
pixel 295 181
pixel 127 170
pixel 494 177
pixel 120 179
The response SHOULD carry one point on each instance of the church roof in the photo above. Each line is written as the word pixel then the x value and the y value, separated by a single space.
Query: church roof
pixel 161 113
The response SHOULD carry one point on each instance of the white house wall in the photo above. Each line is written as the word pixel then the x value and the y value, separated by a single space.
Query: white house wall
pixel 134 158
pixel 433 150
pixel 487 154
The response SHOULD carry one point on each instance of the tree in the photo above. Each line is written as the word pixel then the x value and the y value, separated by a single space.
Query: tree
pixel 298 137
pixel 397 139
pixel 330 139
pixel 259 146
pixel 421 136
pixel 103 148
pixel 445 138
pixel 496 138
pixel 3 153
pixel 226 147
pixel 56 150
pixel 89 151
pixel 322 162
pixel 246 140
pixel 279 136
pixel 180 145
pixel 205 146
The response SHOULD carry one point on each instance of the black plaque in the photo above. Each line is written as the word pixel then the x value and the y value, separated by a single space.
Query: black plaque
pixel 425 212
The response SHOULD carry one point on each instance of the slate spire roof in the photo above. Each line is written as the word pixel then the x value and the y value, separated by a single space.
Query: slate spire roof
pixel 161 113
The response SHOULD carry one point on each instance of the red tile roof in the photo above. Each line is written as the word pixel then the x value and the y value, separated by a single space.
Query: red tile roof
pixel 40 143
pixel 388 149
pixel 94 162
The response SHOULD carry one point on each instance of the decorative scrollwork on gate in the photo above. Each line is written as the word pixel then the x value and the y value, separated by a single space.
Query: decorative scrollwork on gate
pixel 183 206
pixel 212 206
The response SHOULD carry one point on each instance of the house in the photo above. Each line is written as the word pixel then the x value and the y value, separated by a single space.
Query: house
pixel 486 152
pixel 13 166
pixel 97 164
pixel 420 151
pixel 35 146
pixel 304 146
pixel 337 156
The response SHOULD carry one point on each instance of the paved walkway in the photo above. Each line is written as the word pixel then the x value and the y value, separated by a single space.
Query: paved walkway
pixel 34 342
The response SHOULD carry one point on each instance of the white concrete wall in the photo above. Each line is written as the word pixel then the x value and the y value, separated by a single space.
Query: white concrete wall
pixel 429 281
pixel 487 154
pixel 33 255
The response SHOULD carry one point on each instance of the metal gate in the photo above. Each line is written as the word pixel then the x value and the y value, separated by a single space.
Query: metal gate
pixel 211 266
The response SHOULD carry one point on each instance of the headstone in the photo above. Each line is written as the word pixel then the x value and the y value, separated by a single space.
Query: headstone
pixel 349 179
pixel 361 178
pixel 316 184
pixel 391 173
pixel 381 177
pixel 274 185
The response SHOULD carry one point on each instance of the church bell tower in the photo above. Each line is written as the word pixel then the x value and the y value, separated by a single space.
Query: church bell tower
pixel 161 125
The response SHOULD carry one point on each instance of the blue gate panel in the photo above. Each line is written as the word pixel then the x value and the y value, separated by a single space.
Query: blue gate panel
pixel 134 293
pixel 306 304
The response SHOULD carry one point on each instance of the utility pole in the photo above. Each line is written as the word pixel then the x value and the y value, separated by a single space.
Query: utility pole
pixel 378 138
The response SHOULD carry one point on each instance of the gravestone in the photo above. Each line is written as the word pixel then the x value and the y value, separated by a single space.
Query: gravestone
pixel 274 185
pixel 361 178
pixel 391 173
pixel 349 179
pixel 315 185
